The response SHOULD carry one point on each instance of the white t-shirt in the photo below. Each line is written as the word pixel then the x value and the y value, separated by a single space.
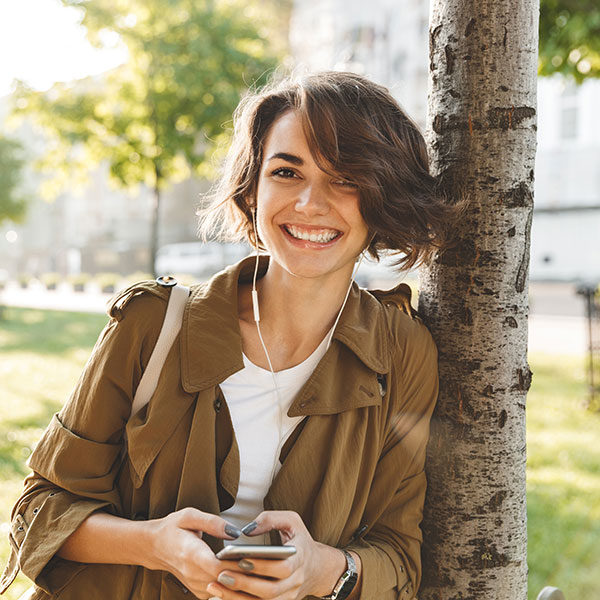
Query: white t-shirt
pixel 261 428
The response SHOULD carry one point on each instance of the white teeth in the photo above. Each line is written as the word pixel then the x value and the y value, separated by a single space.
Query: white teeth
pixel 324 236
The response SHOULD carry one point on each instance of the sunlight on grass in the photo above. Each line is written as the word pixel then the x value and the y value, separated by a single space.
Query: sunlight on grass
pixel 563 480
pixel 43 353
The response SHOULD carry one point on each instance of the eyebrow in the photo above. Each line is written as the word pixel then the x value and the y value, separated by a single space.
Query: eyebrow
pixel 292 158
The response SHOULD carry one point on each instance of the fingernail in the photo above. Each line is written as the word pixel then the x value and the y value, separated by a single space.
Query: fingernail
pixel 232 531
pixel 246 565
pixel 227 580
pixel 249 528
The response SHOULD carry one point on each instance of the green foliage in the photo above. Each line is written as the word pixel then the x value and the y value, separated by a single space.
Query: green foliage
pixel 155 118
pixel 12 201
pixel 570 38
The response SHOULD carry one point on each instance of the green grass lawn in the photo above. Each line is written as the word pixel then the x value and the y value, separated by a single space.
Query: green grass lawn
pixel 43 352
pixel 563 480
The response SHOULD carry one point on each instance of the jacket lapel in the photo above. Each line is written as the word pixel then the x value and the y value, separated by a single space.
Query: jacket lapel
pixel 211 343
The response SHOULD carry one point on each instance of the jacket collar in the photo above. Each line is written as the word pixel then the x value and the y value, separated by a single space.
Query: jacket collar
pixel 211 343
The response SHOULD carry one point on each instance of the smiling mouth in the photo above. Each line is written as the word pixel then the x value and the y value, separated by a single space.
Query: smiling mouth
pixel 320 236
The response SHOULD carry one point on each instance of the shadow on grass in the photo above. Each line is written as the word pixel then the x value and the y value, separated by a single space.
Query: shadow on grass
pixel 19 436
pixel 48 332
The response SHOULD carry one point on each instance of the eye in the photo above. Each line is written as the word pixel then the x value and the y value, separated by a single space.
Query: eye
pixel 346 184
pixel 284 173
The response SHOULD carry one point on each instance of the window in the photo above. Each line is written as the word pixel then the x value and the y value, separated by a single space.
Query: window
pixel 568 123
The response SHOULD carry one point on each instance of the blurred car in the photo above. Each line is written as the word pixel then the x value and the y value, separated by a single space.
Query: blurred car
pixel 379 274
pixel 199 259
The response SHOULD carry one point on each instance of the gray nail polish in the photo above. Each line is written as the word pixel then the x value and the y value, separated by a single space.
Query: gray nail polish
pixel 232 531
pixel 226 579
pixel 246 565
pixel 249 528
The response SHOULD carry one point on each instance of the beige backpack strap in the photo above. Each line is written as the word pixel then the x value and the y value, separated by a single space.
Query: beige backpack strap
pixel 169 330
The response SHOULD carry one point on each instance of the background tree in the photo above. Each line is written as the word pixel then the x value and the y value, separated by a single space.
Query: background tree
pixel 12 200
pixel 155 119
pixel 570 38
pixel 482 135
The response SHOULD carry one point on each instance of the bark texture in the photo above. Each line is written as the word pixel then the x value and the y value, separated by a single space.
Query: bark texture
pixel 482 136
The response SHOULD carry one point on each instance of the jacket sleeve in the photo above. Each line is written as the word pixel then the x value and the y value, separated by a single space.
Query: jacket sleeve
pixel 76 461
pixel 390 549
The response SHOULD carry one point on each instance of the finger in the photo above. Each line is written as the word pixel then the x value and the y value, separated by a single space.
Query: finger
pixel 197 520
pixel 216 590
pixel 254 586
pixel 273 568
pixel 283 520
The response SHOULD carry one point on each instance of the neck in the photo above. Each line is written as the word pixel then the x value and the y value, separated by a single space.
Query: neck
pixel 300 304
pixel 295 313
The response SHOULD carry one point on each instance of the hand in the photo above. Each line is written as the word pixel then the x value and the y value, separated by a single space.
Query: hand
pixel 179 547
pixel 313 570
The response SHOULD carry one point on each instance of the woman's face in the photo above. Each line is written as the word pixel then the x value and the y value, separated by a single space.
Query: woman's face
pixel 309 221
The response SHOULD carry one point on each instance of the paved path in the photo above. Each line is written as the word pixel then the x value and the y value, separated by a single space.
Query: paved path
pixel 554 334
pixel 556 325
pixel 61 299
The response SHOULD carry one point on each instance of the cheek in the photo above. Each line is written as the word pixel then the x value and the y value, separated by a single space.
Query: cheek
pixel 264 229
pixel 357 220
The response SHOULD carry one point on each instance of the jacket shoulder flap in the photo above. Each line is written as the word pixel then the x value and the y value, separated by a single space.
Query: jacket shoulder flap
pixel 399 297
pixel 117 304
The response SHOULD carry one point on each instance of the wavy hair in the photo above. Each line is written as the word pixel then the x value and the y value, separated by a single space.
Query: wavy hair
pixel 355 130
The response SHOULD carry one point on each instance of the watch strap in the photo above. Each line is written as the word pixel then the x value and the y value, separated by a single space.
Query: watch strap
pixel 345 584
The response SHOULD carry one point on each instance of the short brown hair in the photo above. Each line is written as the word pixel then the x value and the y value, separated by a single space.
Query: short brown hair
pixel 355 130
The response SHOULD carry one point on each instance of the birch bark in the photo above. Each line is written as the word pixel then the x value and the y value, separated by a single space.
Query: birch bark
pixel 482 137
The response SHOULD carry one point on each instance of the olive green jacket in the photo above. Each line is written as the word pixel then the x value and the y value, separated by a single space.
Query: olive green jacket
pixel 367 407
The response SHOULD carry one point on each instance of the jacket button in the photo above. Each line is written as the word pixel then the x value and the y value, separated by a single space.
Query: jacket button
pixel 360 531
pixel 166 281
pixel 36 511
pixel 217 404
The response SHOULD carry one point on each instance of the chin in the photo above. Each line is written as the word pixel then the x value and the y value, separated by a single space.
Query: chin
pixel 315 269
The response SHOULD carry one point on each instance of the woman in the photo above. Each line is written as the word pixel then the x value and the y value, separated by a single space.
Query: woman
pixel 289 388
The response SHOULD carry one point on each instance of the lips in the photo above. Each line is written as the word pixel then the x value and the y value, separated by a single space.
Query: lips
pixel 312 234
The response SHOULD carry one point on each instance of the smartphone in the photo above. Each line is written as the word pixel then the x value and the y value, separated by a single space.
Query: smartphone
pixel 235 552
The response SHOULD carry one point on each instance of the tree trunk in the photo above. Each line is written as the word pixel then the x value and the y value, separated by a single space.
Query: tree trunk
pixel 481 132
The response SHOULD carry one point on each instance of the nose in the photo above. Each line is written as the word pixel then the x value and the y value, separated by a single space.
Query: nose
pixel 312 200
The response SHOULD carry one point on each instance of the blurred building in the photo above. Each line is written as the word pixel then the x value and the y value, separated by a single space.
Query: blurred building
pixel 565 241
pixel 387 40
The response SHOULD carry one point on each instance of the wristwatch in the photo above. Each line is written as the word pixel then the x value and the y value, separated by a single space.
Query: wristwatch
pixel 346 582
